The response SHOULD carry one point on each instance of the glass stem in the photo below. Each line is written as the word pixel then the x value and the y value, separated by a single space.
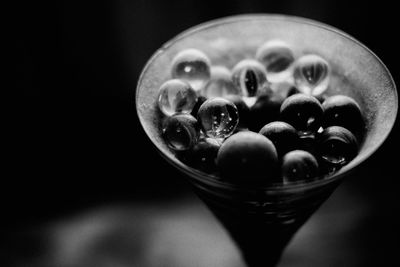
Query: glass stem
pixel 261 244
pixel 262 235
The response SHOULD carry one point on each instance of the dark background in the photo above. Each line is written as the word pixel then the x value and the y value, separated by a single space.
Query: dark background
pixel 74 142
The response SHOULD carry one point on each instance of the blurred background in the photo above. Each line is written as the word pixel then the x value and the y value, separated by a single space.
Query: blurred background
pixel 79 186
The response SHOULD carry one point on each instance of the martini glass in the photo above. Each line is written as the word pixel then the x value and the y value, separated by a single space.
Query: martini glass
pixel 263 219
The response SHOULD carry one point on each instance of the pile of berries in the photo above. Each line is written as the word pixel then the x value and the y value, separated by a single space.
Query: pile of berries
pixel 265 121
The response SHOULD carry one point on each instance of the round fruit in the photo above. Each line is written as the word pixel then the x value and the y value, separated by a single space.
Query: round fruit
pixel 308 142
pixel 265 110
pixel 337 145
pixel 292 91
pixel 341 110
pixel 303 112
pixel 200 101
pixel 298 165
pixel 204 154
pixel 283 135
pixel 249 158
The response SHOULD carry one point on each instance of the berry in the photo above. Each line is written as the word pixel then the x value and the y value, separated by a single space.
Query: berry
pixel 292 91
pixel 265 110
pixel 282 134
pixel 200 101
pixel 303 112
pixel 341 110
pixel 337 145
pixel 204 154
pixel 298 165
pixel 249 158
pixel 308 142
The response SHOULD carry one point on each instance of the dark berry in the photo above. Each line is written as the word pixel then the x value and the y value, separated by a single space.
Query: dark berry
pixel 321 98
pixel 265 110
pixel 337 145
pixel 299 165
pixel 249 158
pixel 200 101
pixel 303 112
pixel 204 154
pixel 283 135
pixel 341 110
pixel 292 91
pixel 308 142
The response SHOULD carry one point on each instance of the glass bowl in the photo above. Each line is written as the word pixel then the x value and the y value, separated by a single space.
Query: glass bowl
pixel 253 213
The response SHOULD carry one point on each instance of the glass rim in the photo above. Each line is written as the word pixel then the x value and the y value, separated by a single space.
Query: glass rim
pixel 212 180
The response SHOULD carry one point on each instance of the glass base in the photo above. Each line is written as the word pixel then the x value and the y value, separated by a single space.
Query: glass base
pixel 263 231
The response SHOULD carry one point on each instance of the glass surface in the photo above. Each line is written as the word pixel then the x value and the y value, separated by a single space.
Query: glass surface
pixel 262 220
